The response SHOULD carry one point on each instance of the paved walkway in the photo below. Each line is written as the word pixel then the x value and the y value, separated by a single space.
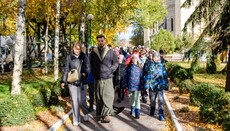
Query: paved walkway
pixel 122 121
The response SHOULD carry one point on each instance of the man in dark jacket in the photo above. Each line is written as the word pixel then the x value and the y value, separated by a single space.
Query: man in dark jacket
pixel 104 63
pixel 162 57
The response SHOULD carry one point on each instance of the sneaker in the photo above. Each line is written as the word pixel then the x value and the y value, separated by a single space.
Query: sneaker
pixel 76 123
pixel 86 117
pixel 106 119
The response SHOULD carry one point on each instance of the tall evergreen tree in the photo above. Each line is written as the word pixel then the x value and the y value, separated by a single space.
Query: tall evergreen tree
pixel 216 15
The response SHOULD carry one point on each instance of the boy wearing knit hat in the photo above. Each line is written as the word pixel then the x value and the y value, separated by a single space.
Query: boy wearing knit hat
pixel 156 81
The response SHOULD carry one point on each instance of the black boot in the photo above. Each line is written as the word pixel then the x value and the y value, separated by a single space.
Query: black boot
pixel 152 111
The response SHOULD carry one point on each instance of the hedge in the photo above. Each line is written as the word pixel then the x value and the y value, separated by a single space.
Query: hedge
pixel 185 86
pixel 16 110
pixel 214 104
pixel 177 74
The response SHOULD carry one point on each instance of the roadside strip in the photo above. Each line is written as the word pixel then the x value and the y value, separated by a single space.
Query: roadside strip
pixel 173 116
pixel 60 122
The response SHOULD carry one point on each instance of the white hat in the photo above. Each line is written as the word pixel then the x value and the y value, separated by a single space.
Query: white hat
pixel 135 55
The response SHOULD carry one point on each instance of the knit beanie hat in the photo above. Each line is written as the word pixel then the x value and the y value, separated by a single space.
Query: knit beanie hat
pixel 156 54
pixel 137 56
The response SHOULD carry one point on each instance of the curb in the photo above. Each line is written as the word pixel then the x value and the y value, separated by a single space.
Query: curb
pixel 173 116
pixel 60 122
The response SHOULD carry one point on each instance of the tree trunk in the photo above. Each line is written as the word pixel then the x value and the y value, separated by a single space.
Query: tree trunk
pixel 1 55
pixel 227 88
pixel 82 30
pixel 56 48
pixel 19 44
pixel 46 47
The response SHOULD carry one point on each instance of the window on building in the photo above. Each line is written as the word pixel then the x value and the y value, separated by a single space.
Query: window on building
pixel 166 23
pixel 171 24
pixel 153 28
pixel 192 29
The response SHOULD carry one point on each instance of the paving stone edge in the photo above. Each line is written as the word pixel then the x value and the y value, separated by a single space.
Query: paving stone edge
pixel 172 114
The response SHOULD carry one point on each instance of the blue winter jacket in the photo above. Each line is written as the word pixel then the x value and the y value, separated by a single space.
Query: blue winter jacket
pixel 133 78
pixel 156 77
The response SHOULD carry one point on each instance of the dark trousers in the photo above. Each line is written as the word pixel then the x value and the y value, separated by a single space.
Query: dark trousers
pixel 144 95
pixel 120 91
pixel 91 94
pixel 104 92
pixel 153 95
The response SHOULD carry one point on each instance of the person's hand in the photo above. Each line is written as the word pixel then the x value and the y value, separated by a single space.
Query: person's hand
pixel 62 85
pixel 83 74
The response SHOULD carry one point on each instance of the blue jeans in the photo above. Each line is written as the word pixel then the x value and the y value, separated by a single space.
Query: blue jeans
pixel 153 96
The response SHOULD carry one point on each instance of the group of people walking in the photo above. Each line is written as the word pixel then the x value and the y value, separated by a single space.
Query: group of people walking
pixel 108 70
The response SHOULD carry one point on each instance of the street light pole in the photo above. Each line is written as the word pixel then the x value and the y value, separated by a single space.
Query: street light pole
pixel 90 18
pixel 90 33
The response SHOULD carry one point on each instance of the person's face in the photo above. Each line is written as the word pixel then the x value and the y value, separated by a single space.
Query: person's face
pixel 119 60
pixel 101 42
pixel 76 51
pixel 117 53
pixel 134 60
pixel 150 56
pixel 156 59
pixel 142 56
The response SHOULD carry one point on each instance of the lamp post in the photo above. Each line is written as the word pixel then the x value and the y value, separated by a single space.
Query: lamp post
pixel 90 17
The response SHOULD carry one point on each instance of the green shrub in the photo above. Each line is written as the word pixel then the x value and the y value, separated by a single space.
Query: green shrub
pixel 27 72
pixel 16 110
pixel 53 100
pixel 202 93
pixel 201 70
pixel 207 114
pixel 39 100
pixel 226 124
pixel 176 97
pixel 177 73
pixel 214 103
pixel 182 74
pixel 184 86
pixel 184 109
pixel 57 109
pixel 57 87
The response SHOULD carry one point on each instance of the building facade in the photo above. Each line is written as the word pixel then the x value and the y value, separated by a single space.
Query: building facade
pixel 175 21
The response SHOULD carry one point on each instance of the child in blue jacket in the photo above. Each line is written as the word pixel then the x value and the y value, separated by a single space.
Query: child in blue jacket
pixel 156 81
pixel 132 81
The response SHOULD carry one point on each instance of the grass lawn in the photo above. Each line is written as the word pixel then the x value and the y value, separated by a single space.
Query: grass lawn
pixel 30 83
pixel 218 79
